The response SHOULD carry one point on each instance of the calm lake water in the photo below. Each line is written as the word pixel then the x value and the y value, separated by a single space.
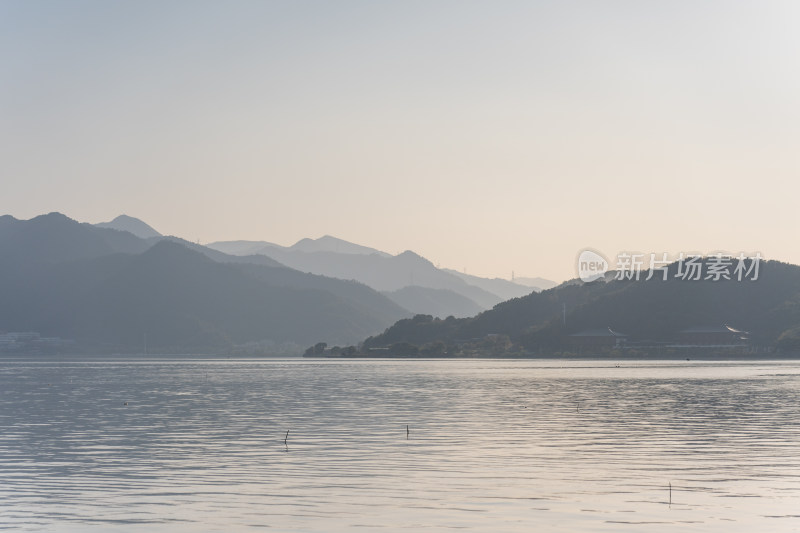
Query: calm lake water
pixel 492 445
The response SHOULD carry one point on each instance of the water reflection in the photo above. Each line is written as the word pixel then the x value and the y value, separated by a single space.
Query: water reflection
pixel 202 445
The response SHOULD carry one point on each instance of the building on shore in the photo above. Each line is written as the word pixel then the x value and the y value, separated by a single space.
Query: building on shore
pixel 723 335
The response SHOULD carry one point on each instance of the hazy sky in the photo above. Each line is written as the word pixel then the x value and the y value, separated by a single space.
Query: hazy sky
pixel 492 136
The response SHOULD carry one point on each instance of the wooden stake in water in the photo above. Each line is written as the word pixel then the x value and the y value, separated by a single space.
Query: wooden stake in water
pixel 407 432
pixel 286 438
pixel 670 493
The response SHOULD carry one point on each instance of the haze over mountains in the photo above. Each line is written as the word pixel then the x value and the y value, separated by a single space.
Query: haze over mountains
pixel 536 283
pixel 109 290
pixel 443 292
pixel 651 312
pixel 323 244
pixel 121 285
pixel 112 291
pixel 436 302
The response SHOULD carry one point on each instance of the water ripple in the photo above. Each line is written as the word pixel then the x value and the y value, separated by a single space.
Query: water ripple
pixel 201 445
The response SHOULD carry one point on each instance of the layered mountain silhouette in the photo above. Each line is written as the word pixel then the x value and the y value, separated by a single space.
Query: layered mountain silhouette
pixel 437 291
pixel 653 311
pixel 109 286
pixel 436 302
pixel 109 290
pixel 54 238
pixel 323 244
pixel 536 283
pixel 501 287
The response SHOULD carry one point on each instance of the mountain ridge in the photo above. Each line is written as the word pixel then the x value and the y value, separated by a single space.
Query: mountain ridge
pixel 106 288
pixel 132 225
pixel 650 313
pixel 436 302
pixel 383 272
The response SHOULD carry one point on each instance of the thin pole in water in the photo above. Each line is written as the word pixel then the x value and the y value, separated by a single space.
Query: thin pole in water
pixel 407 432
pixel 670 493
pixel 286 438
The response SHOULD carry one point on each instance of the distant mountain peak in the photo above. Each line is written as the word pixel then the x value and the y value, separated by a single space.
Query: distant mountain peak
pixel 409 255
pixel 53 217
pixel 125 218
pixel 302 243
pixel 131 225
pixel 329 243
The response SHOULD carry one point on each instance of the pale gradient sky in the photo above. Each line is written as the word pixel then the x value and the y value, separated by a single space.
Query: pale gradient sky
pixel 491 136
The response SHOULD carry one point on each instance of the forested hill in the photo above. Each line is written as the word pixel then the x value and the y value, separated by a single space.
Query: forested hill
pixel 656 309
pixel 108 290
